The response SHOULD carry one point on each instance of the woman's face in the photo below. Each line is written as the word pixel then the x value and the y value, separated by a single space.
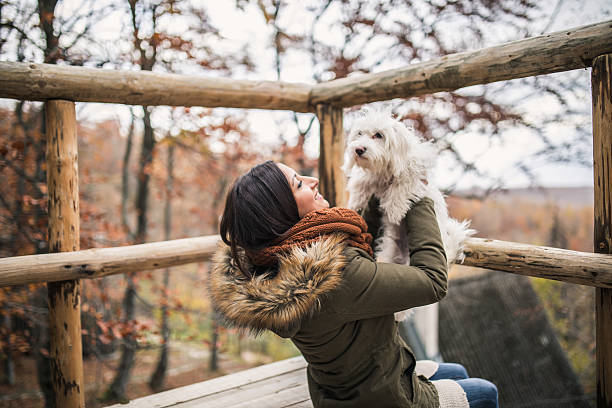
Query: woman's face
pixel 304 190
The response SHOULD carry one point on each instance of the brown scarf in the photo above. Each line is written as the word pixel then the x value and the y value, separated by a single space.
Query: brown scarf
pixel 314 225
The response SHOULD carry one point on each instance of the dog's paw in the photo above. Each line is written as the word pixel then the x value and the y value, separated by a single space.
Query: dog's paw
pixel 467 232
pixel 457 233
pixel 357 202
pixel 399 198
pixel 395 211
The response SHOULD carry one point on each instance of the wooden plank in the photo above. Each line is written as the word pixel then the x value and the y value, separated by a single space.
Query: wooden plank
pixel 217 385
pixel 331 155
pixel 302 404
pixel 601 83
pixel 258 392
pixel 561 51
pixel 98 262
pixel 287 397
pixel 539 261
pixel 64 298
pixel 552 263
pixel 39 82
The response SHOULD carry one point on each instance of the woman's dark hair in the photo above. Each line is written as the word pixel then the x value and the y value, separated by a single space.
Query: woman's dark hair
pixel 259 208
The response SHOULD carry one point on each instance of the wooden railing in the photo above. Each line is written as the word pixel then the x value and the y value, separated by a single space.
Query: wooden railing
pixel 582 268
pixel 60 86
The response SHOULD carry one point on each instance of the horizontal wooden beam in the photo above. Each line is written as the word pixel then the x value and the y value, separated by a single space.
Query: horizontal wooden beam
pixel 561 51
pixel 582 268
pixel 98 262
pixel 39 82
pixel 551 263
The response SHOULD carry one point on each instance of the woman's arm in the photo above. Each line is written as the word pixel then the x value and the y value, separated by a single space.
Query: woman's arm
pixel 375 288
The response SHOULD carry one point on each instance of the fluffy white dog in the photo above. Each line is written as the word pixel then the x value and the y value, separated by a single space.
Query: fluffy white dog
pixel 386 159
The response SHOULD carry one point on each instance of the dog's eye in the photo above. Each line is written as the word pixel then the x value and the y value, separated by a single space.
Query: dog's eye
pixel 378 135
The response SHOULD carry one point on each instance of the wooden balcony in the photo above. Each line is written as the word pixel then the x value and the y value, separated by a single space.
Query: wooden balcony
pixel 283 384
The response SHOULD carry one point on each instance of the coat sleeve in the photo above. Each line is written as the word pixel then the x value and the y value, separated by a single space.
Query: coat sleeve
pixel 375 289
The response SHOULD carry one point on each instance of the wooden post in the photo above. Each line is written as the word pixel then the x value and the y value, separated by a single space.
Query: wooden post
pixel 331 155
pixel 64 297
pixel 601 83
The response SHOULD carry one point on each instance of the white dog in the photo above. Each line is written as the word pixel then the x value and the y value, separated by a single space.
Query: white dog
pixel 386 159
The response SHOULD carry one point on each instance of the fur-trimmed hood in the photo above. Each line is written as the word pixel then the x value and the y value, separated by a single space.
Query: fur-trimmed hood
pixel 281 298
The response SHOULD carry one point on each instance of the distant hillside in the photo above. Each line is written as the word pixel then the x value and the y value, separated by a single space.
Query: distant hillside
pixel 574 196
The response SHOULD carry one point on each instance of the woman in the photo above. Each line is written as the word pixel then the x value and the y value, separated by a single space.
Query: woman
pixel 293 265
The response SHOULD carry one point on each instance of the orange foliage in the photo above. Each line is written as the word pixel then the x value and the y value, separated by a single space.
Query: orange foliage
pixel 526 221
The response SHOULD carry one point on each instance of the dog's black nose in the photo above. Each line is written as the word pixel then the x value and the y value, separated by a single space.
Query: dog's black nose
pixel 360 150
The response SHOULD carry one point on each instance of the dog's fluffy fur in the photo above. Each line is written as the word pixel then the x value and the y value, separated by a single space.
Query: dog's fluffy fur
pixel 397 167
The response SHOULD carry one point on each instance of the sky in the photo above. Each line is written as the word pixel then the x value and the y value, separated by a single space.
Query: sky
pixel 496 158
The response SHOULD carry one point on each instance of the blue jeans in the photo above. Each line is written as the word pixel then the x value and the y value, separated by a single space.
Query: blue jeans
pixel 480 393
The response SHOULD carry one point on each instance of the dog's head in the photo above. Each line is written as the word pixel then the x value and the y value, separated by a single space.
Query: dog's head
pixel 381 144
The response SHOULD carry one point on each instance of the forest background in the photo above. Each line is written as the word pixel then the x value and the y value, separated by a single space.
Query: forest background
pixel 155 173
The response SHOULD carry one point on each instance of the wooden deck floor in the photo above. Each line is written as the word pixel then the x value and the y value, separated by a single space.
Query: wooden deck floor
pixel 280 384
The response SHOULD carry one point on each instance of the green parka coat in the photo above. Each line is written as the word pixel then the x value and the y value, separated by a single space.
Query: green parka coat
pixel 336 304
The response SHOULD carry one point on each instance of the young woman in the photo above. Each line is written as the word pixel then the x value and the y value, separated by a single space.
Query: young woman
pixel 292 265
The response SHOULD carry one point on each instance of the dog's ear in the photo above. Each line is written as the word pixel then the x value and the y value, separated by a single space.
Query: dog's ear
pixel 349 162
pixel 427 154
pixel 400 160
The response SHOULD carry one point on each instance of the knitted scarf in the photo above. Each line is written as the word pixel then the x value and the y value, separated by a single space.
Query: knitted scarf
pixel 311 227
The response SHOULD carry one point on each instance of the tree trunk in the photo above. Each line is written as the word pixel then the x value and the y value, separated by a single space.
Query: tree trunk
pixel 46 13
pixel 118 387
pixel 129 346
pixel 124 177
pixel 41 219
pixel 142 193
pixel 558 238
pixel 41 347
pixel 214 350
pixel 157 379
pixel 20 181
pixel 9 364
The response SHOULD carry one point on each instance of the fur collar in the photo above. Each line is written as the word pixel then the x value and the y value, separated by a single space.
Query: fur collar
pixel 280 299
